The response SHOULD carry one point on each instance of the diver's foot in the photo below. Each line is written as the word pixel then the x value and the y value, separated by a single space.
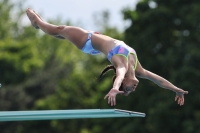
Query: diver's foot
pixel 32 17
pixel 38 15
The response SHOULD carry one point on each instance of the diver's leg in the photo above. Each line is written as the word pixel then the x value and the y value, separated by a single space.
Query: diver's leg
pixel 75 35
pixel 38 23
pixel 57 36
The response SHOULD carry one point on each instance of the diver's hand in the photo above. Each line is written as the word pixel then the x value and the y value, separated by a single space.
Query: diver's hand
pixel 112 96
pixel 180 96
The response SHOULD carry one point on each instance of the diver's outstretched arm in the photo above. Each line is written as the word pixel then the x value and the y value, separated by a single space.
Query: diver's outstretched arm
pixel 160 81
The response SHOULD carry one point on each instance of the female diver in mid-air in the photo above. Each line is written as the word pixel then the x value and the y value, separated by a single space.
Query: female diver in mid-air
pixel 123 58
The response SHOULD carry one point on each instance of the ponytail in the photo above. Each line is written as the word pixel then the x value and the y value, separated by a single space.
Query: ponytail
pixel 108 68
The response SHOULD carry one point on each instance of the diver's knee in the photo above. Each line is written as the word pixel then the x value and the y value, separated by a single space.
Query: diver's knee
pixel 60 31
pixel 61 27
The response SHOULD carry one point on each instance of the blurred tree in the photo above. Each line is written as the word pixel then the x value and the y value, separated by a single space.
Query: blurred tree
pixel 165 35
pixel 80 90
pixel 15 56
pixel 32 65
pixel 40 72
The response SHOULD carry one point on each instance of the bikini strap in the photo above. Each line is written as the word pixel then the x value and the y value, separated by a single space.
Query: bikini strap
pixel 89 35
pixel 136 62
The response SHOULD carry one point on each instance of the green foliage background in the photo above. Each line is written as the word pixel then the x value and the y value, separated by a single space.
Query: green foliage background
pixel 39 72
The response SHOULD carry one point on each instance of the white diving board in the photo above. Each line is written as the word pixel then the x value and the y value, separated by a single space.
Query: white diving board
pixel 66 114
